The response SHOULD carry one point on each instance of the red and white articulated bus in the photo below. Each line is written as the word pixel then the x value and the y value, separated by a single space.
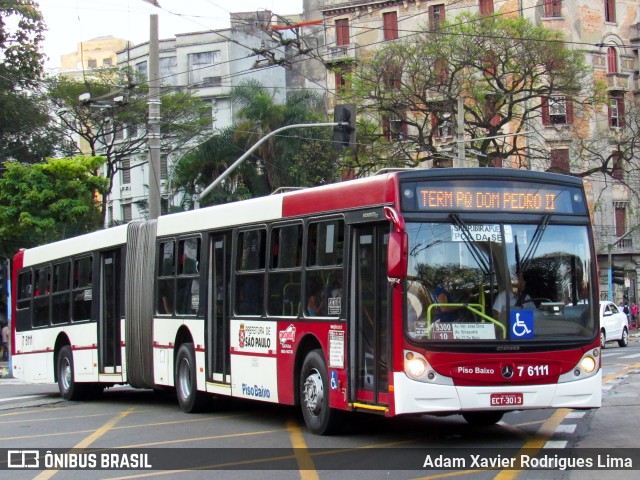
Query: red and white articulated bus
pixel 441 291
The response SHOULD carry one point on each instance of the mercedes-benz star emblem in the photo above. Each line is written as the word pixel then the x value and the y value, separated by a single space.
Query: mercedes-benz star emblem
pixel 507 371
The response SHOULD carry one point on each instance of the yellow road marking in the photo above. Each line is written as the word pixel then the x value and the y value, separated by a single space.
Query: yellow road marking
pixel 301 453
pixel 89 440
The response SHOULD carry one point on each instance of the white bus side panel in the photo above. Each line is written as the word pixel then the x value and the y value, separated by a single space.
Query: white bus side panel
pixel 34 360
pixel 165 331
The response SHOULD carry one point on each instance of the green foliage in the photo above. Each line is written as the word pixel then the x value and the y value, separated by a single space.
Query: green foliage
pixel 299 157
pixel 23 110
pixel 48 201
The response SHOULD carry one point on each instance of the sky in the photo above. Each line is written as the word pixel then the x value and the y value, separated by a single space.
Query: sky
pixel 70 22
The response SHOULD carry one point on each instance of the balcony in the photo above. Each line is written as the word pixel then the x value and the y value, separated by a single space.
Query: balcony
pixel 341 53
pixel 617 82
pixel 604 236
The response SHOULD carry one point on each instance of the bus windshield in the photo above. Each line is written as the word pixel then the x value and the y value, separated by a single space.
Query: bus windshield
pixel 496 282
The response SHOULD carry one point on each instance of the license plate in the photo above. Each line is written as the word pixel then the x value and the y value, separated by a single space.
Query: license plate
pixel 506 399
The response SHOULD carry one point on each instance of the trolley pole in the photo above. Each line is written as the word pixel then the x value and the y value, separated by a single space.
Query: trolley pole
pixel 237 163
pixel 154 119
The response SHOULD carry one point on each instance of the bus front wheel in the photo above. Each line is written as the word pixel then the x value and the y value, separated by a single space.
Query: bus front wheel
pixel 314 395
pixel 190 399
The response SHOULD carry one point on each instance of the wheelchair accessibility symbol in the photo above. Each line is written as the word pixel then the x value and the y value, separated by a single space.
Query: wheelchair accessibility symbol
pixel 334 380
pixel 521 324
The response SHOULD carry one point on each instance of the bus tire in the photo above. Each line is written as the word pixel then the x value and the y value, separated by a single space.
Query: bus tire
pixel 483 419
pixel 190 399
pixel 314 396
pixel 69 389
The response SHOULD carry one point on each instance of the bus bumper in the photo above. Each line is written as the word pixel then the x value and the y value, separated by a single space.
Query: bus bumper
pixel 413 397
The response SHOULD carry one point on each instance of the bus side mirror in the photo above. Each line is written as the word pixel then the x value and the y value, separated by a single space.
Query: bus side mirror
pixel 397 255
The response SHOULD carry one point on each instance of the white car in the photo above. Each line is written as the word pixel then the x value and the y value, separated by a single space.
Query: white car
pixel 614 325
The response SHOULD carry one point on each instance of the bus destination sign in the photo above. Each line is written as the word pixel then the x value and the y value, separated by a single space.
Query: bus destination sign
pixel 521 199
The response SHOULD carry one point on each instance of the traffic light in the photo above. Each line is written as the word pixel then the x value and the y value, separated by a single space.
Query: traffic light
pixel 617 275
pixel 344 136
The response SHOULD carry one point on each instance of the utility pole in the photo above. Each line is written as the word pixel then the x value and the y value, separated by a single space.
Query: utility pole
pixel 154 119
pixel 460 131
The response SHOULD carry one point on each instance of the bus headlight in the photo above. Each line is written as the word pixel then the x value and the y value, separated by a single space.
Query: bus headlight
pixel 415 365
pixel 588 364
pixel 585 368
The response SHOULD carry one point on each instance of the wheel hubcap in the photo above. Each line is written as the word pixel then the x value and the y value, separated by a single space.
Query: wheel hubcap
pixel 314 392
pixel 184 378
pixel 65 373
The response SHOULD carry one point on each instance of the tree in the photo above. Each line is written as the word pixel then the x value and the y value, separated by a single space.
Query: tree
pixel 300 157
pixel 48 201
pixel 501 67
pixel 23 113
pixel 119 130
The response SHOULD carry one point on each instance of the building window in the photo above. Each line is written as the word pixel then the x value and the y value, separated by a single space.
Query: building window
pixel 392 78
pixel 556 110
pixel 127 215
pixel 107 62
pixel 342 32
pixel 560 160
pixel 621 220
pixel 163 167
pixel 486 7
pixel 168 69
pixel 436 16
pixel 552 8
pixel 92 63
pixel 125 171
pixel 617 170
pixel 141 70
pixel 342 83
pixel 441 70
pixel 610 11
pixel 612 60
pixel 202 67
pixel 390 25
pixel 616 112
pixel 394 128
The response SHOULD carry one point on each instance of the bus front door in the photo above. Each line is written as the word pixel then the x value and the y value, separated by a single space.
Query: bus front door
pixel 370 328
pixel 110 359
pixel 217 330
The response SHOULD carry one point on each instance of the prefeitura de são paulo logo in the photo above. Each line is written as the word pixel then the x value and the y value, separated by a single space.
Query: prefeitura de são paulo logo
pixel 241 336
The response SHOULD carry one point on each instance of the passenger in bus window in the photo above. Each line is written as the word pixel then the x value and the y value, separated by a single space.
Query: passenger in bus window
pixel 314 305
pixel 445 312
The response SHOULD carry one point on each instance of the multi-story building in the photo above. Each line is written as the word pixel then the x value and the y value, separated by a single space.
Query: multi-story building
pixel 606 31
pixel 94 54
pixel 209 64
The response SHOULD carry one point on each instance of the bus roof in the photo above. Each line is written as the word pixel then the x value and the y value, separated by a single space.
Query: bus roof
pixel 72 246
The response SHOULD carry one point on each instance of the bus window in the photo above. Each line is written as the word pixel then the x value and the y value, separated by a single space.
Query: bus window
pixel 285 271
pixel 60 299
pixel 188 281
pixel 323 280
pixel 250 272
pixel 42 294
pixel 82 293
pixel 166 277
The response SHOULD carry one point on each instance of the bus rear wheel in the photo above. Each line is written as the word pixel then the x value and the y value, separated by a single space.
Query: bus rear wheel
pixel 314 395
pixel 483 419
pixel 190 399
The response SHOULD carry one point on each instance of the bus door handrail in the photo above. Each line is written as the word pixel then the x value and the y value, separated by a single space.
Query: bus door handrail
pixel 472 307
